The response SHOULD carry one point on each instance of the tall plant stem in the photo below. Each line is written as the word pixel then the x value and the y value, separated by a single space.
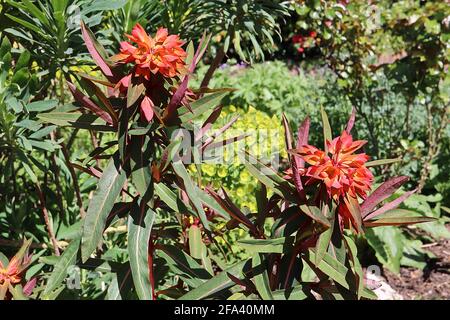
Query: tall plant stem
pixel 47 219
pixel 434 139
pixel 56 173
pixel 213 67
pixel 74 179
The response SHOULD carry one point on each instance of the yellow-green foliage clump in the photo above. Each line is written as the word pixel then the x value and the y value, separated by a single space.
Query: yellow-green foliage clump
pixel 265 141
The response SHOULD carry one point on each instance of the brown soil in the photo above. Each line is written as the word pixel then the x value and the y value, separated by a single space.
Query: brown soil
pixel 433 283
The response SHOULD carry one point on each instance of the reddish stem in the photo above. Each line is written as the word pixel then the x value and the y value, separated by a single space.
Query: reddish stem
pixel 51 235
pixel 151 247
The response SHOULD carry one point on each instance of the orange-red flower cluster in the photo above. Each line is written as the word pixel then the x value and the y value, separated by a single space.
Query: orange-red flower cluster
pixel 13 273
pixel 163 53
pixel 340 169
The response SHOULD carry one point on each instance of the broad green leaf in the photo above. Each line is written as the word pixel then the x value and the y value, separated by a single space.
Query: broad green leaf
pixel 437 229
pixel 315 214
pixel 300 292
pixel 261 278
pixel 191 191
pixel 382 162
pixel 183 265
pixel 141 175
pixel 210 202
pixel 76 120
pixel 277 245
pixel 413 255
pixel 196 245
pixel 101 204
pixel 134 93
pixel 322 243
pixel 59 273
pixel 43 105
pixel 172 200
pixel 388 244
pixel 17 292
pixel 4 261
pixel 140 225
pixel 216 284
pixel 23 60
pixel 120 284
pixel 397 221
pixel 331 267
pixel 356 265
pixel 269 177
pixel 201 106
pixel 53 295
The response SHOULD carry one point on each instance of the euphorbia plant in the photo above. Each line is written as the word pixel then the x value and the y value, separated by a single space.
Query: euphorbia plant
pixel 171 219
pixel 144 99
pixel 319 203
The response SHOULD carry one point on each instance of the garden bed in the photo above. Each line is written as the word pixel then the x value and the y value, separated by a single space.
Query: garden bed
pixel 429 284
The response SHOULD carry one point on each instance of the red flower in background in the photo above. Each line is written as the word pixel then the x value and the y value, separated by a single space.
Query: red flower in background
pixel 297 38
pixel 341 170
pixel 163 53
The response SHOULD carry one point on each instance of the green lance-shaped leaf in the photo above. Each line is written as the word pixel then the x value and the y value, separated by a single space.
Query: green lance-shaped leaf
pixel 201 106
pixel 300 292
pixel 316 214
pixel 183 265
pixel 198 249
pixel 323 242
pixel 120 284
pixel 77 120
pixel 269 177
pixel 67 259
pixel 261 278
pixel 139 230
pixel 196 245
pixel 42 105
pixel 399 221
pixel 172 200
pixel 17 292
pixel 109 187
pixel 382 162
pixel 192 191
pixel 216 284
pixel 141 175
pixel 4 261
pixel 266 245
pixel 331 267
pixel 210 202
pixel 356 265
